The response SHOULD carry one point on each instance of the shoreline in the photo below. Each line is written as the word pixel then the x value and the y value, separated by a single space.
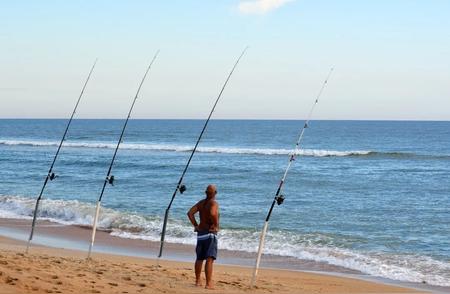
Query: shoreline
pixel 78 237
pixel 75 238
pixel 56 270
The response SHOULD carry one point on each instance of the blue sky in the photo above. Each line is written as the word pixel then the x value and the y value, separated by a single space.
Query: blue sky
pixel 392 58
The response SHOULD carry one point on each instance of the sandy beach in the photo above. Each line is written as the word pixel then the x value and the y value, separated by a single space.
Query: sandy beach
pixel 57 270
pixel 305 141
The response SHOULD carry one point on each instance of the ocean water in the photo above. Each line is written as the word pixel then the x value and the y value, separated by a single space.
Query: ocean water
pixel 367 195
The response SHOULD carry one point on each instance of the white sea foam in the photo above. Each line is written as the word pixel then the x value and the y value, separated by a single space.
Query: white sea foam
pixel 181 148
pixel 317 247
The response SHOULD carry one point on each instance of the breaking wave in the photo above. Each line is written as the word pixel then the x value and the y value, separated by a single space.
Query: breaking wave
pixel 181 148
pixel 328 248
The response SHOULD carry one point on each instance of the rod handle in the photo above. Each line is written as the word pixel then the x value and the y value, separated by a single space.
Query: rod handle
pixel 94 229
pixel 258 257
pixel 33 225
pixel 163 233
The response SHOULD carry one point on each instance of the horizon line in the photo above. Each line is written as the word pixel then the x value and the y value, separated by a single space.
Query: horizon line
pixel 229 119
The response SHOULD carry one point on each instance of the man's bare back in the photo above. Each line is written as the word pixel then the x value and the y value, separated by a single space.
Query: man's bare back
pixel 209 221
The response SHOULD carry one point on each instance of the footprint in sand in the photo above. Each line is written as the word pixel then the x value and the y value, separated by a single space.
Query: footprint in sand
pixel 10 280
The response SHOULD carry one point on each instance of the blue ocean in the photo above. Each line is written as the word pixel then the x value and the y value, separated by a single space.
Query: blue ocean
pixel 373 196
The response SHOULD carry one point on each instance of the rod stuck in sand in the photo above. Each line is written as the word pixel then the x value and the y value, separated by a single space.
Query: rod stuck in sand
pixel 110 178
pixel 51 175
pixel 180 187
pixel 279 198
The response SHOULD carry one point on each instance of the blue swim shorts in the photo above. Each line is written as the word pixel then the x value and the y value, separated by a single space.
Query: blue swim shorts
pixel 206 245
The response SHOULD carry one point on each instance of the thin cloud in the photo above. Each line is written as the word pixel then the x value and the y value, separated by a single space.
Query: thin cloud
pixel 260 6
pixel 6 89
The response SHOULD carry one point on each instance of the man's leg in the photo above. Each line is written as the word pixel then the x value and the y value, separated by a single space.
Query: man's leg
pixel 209 273
pixel 198 272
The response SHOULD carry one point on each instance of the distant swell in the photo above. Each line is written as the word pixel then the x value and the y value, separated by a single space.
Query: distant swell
pixel 177 148
pixel 315 246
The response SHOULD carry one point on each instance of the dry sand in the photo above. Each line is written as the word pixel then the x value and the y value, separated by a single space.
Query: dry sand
pixel 51 270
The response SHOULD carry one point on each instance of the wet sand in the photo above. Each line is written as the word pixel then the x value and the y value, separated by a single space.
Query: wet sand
pixel 77 237
pixel 134 269
pixel 51 270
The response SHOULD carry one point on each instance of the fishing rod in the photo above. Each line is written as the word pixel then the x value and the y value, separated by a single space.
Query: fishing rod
pixel 51 175
pixel 110 178
pixel 279 198
pixel 180 187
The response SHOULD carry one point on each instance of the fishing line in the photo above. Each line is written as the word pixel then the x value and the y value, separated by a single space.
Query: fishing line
pixel 180 187
pixel 51 175
pixel 110 178
pixel 279 198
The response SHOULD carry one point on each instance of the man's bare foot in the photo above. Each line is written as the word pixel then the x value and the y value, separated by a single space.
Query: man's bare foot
pixel 198 283
pixel 209 287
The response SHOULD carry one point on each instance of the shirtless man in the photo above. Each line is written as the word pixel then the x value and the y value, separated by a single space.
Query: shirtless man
pixel 206 249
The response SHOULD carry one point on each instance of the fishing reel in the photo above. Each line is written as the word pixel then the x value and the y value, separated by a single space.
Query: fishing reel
pixel 279 199
pixel 110 180
pixel 182 188
pixel 52 176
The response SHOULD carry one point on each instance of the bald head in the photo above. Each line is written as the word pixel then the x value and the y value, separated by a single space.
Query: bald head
pixel 211 191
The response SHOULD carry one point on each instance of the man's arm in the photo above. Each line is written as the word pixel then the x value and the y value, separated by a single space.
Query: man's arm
pixel 191 215
pixel 214 217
